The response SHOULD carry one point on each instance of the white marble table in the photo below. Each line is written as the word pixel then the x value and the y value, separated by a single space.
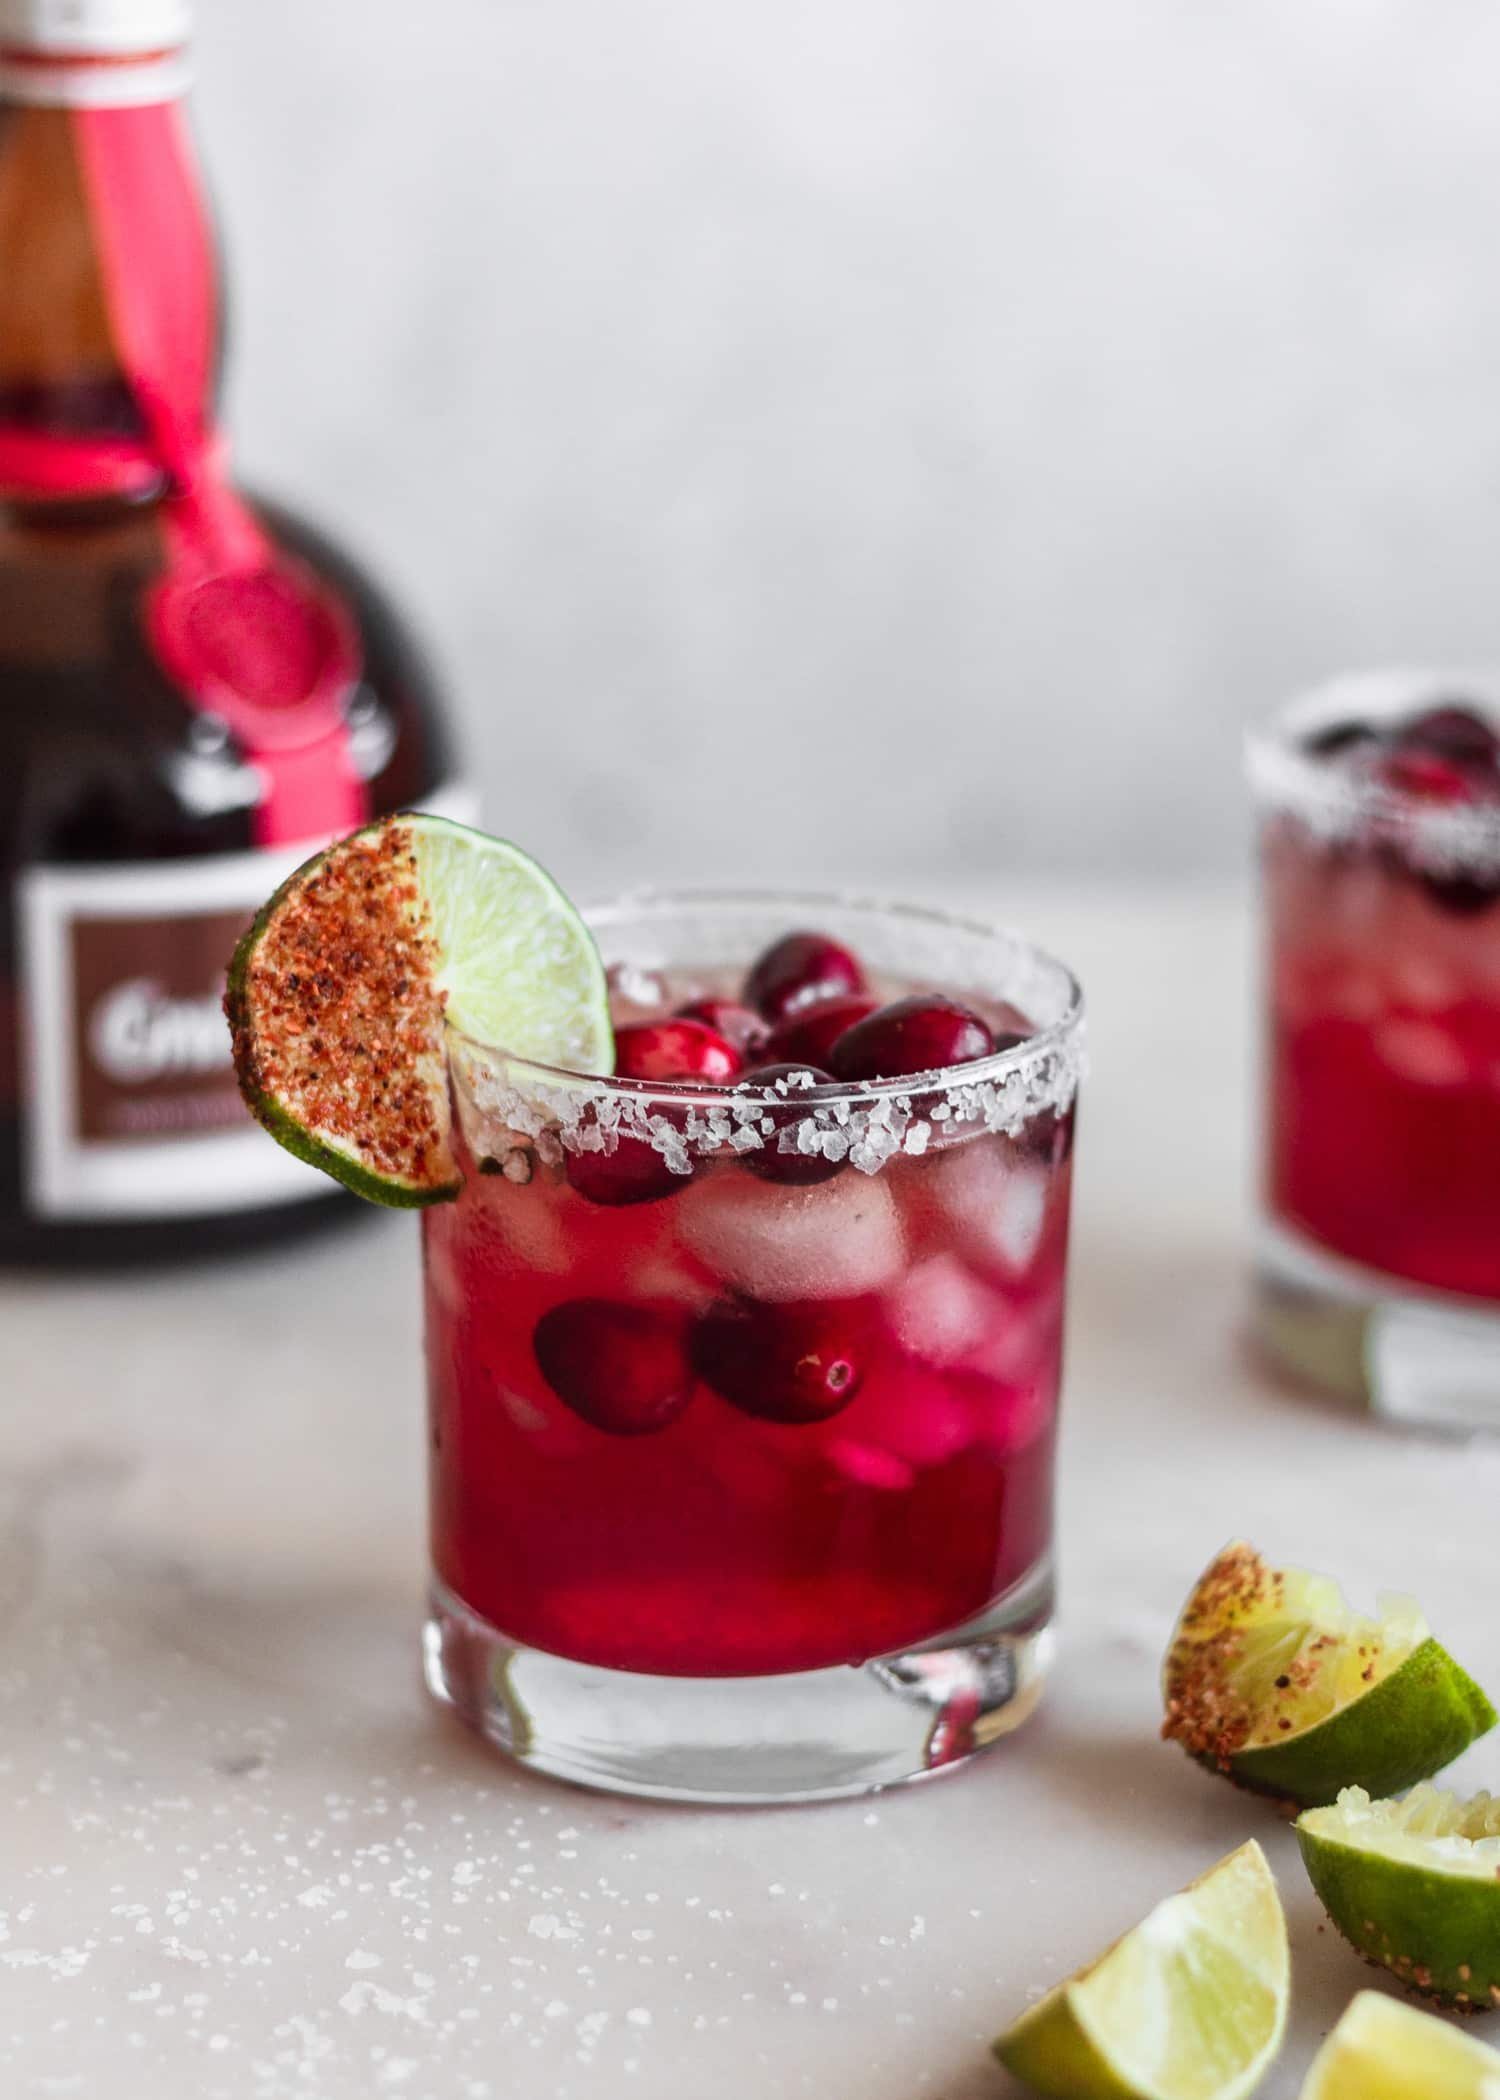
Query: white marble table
pixel 241 1858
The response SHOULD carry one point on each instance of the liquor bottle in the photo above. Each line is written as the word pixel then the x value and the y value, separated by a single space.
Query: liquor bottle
pixel 196 690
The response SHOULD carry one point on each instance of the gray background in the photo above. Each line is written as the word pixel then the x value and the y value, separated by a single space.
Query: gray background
pixel 876 437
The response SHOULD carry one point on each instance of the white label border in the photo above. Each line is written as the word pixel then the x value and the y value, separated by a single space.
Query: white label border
pixel 71 1179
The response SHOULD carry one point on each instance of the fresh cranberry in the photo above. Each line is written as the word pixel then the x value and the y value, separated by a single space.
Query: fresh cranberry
pixel 676 1050
pixel 1426 776
pixel 635 1172
pixel 623 1368
pixel 784 1363
pixel 919 1034
pixel 797 971
pixel 1453 732
pixel 1464 896
pixel 800 1170
pixel 736 1023
pixel 808 1038
pixel 1339 739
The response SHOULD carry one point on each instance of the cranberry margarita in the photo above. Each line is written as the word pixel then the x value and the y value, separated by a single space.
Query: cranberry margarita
pixel 744 1362
pixel 1380 801
pixel 744 1267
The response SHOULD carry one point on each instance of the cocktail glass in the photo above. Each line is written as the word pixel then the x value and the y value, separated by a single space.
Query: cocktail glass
pixel 743 1404
pixel 1379 1267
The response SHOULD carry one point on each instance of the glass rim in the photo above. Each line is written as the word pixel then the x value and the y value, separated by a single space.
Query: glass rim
pixel 1288 779
pixel 1058 1042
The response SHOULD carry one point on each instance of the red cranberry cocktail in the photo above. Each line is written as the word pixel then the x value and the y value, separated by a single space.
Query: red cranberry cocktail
pixel 744 1362
pixel 1380 807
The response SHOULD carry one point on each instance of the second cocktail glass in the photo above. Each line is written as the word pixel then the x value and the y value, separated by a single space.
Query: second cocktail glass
pixel 1379 804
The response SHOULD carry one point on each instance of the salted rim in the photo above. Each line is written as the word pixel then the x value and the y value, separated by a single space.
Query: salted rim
pixel 1336 806
pixel 865 1122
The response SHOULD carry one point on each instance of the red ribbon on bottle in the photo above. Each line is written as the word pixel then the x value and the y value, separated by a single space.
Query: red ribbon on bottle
pixel 243 630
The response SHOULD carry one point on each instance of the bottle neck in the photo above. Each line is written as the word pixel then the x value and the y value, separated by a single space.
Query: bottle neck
pixel 109 312
pixel 109 336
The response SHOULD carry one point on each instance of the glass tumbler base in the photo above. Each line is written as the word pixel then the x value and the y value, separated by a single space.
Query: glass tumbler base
pixel 1401 1352
pixel 809 1736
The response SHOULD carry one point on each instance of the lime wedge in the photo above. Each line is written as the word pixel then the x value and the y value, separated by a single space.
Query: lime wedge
pixel 1384 2050
pixel 340 994
pixel 1189 2006
pixel 1271 1679
pixel 1414 1885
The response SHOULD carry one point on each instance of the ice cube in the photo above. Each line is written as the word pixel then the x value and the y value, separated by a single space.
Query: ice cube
pixel 779 1243
pixel 635 991
pixel 1422 1051
pixel 1020 1413
pixel 1355 993
pixel 940 1311
pixel 444 1280
pixel 993 1202
pixel 520 1228
pixel 1421 982
pixel 918 1416
pixel 1024 1341
pixel 870 1467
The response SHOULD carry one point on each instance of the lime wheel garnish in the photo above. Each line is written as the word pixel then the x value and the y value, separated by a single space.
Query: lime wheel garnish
pixel 341 995
pixel 1271 1679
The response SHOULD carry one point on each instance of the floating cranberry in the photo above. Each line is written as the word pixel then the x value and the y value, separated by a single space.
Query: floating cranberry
pixel 1453 732
pixel 785 1363
pixel 920 1034
pixel 808 1038
pixel 1426 776
pixel 676 1050
pixel 621 1367
pixel 635 1172
pixel 797 971
pixel 1339 739
pixel 1464 896
pixel 726 1017
pixel 800 1170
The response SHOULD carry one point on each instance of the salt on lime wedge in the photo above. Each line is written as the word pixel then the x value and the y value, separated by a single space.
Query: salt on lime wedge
pixel 1190 2005
pixel 1384 2050
pixel 1414 1885
pixel 340 995
pixel 1271 1679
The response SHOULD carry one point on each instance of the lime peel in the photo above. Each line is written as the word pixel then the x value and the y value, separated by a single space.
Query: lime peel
pixel 1414 1886
pixel 1210 1964
pixel 1271 1679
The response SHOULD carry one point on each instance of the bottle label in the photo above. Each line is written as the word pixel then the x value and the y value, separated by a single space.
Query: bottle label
pixel 131 1108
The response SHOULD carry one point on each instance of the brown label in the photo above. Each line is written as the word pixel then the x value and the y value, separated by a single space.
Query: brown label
pixel 151 1044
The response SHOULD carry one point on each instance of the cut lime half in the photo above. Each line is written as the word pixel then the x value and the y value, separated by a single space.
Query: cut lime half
pixel 1384 2050
pixel 1272 1679
pixel 1414 1885
pixel 1190 2005
pixel 340 994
